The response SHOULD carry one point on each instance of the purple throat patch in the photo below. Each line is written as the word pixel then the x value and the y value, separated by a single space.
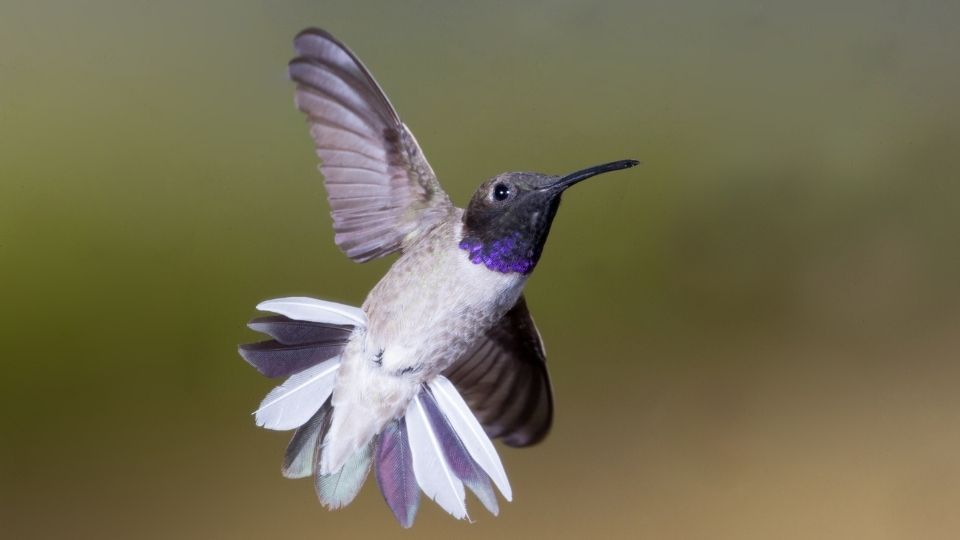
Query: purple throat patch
pixel 500 256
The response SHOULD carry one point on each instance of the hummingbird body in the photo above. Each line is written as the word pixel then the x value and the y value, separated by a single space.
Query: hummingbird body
pixel 443 356
pixel 424 314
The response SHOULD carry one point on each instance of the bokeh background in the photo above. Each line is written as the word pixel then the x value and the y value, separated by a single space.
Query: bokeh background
pixel 754 335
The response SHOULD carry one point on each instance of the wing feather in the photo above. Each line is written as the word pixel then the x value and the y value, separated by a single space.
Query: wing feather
pixel 383 194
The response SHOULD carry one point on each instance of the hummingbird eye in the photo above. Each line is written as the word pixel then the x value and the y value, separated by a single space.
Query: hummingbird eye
pixel 501 192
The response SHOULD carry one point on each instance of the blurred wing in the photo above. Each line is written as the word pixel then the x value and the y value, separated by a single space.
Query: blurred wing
pixel 382 192
pixel 504 379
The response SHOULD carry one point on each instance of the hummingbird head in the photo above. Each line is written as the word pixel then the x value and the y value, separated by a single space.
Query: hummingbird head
pixel 507 221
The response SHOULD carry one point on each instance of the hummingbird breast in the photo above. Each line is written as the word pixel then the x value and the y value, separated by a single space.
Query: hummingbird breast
pixel 434 303
pixel 423 315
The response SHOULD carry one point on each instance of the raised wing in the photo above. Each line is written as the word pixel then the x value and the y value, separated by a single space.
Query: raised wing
pixel 382 192
pixel 504 379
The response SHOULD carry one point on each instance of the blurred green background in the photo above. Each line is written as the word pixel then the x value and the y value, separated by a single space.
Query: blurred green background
pixel 754 335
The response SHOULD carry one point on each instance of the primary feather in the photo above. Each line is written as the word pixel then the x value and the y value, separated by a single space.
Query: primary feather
pixel 382 191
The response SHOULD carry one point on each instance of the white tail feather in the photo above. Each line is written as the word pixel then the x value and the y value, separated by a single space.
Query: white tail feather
pixel 429 466
pixel 302 308
pixel 470 432
pixel 291 404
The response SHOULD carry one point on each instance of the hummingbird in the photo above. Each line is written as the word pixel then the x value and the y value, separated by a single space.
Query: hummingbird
pixel 443 355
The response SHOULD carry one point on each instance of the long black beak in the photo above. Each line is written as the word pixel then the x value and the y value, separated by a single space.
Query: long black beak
pixel 589 172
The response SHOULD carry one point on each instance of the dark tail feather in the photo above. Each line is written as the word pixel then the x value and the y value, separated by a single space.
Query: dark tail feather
pixel 293 332
pixel 297 345
pixel 394 469
pixel 301 455
pixel 457 456
pixel 340 488
pixel 302 459
pixel 275 359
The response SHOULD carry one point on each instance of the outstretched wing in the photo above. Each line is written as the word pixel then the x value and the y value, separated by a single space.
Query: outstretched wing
pixel 382 192
pixel 504 379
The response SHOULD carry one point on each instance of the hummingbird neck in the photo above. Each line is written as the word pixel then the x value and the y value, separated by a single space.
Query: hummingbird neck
pixel 508 239
pixel 505 255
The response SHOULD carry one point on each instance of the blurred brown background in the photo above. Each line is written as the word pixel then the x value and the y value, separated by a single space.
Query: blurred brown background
pixel 752 336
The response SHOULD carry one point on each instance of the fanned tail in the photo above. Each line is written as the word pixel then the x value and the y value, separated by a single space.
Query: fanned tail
pixel 437 446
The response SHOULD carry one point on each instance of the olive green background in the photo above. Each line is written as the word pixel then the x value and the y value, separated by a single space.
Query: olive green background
pixel 753 335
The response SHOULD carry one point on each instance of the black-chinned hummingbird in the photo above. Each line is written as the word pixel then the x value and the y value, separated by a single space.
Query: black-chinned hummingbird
pixel 443 356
